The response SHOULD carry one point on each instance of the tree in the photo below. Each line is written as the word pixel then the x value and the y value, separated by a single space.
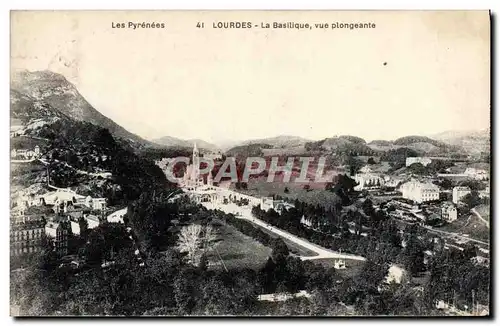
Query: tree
pixel 354 165
pixel 371 161
pixel 280 250
pixel 195 240
pixel 472 200
pixel 286 191
pixel 190 241
pixel 84 225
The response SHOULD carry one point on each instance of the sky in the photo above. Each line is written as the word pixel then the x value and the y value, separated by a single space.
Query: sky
pixel 414 73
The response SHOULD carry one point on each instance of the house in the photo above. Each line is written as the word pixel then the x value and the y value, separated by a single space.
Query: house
pixel 25 154
pixel 59 232
pixel 422 160
pixel 459 192
pixel 449 212
pixel 213 156
pixel 366 169
pixel 368 181
pixel 268 203
pixel 26 237
pixel 98 204
pixel 75 227
pixel 92 221
pixel 420 192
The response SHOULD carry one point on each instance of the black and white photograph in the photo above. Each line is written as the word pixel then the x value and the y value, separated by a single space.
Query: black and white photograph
pixel 250 163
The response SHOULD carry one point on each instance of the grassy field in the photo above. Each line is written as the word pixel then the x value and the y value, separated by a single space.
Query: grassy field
pixel 237 250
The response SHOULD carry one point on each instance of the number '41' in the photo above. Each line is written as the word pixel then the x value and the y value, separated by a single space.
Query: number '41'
pixel 200 25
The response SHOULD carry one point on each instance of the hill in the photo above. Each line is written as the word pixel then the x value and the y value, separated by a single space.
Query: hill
pixel 283 141
pixel 169 141
pixel 33 92
pixel 248 150
pixel 342 145
pixel 472 141
pixel 421 144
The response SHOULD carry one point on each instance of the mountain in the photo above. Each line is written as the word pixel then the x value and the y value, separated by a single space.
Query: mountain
pixel 169 141
pixel 35 91
pixel 422 145
pixel 244 151
pixel 341 144
pixel 473 141
pixel 283 141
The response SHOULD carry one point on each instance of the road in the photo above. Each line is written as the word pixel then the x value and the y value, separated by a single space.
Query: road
pixel 245 213
pixel 450 234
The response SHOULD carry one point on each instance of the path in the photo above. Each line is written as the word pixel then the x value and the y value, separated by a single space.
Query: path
pixel 245 213
pixel 452 234
pixel 480 217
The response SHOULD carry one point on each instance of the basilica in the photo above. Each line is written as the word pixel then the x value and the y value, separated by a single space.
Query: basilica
pixel 192 176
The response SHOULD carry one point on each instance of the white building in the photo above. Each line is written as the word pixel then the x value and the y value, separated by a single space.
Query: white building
pixel 25 154
pixel 213 156
pixel 267 203
pixel 368 181
pixel 422 160
pixel 92 221
pixel 449 212
pixel 366 169
pixel 459 193
pixel 420 192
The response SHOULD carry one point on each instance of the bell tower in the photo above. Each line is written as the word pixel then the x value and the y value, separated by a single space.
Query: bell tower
pixel 196 164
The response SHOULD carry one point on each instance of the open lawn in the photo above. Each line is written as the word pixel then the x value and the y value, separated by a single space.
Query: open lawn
pixel 237 250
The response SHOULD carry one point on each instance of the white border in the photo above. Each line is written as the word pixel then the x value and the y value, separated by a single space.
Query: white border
pixel 6 6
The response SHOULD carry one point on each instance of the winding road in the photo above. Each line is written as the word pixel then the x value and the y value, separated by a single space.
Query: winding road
pixel 245 213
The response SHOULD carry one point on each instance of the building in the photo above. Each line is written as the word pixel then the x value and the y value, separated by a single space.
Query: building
pixel 25 154
pixel 449 212
pixel 420 192
pixel 459 193
pixel 477 174
pixel 368 181
pixel 75 227
pixel 26 237
pixel 267 203
pixel 98 204
pixel 422 160
pixel 192 177
pixel 392 182
pixel 92 221
pixel 213 156
pixel 58 232
pixel 366 169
